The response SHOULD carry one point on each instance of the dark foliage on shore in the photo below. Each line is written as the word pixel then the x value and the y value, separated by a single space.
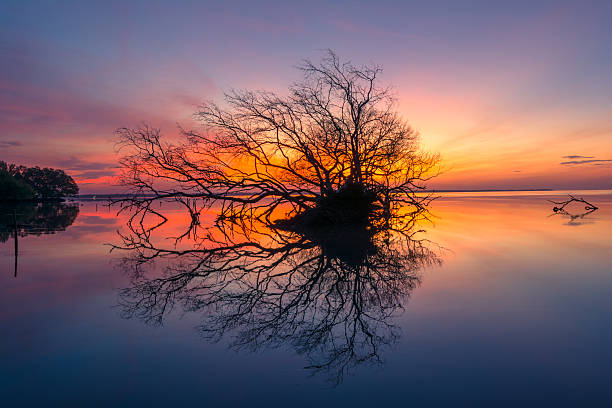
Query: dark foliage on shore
pixel 21 183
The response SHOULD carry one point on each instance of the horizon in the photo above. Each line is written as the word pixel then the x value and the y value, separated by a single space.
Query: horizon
pixel 424 191
pixel 507 95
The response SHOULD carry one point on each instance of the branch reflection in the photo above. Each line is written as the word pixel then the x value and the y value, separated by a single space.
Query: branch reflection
pixel 575 219
pixel 330 294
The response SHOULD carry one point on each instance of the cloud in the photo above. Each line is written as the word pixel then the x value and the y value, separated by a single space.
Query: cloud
pixel 39 98
pixel 88 171
pixel 516 171
pixel 4 144
pixel 579 160
pixel 74 163
pixel 597 162
pixel 97 174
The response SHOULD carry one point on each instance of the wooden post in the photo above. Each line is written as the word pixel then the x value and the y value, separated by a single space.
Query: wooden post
pixel 16 232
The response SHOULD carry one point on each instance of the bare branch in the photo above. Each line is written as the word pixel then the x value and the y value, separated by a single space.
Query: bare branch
pixel 335 132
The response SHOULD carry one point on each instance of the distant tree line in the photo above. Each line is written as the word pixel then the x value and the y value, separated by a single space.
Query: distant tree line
pixel 20 183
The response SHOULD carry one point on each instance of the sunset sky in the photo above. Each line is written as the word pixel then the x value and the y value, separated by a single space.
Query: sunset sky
pixel 513 94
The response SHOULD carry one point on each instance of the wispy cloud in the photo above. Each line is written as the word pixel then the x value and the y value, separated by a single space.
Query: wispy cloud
pixel 9 143
pixel 576 156
pixel 89 171
pixel 597 162
pixel 74 163
pixel 94 175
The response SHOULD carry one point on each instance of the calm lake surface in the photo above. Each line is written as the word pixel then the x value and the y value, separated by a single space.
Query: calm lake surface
pixel 518 311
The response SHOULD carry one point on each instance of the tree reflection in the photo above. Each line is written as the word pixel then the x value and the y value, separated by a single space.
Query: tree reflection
pixel 329 293
pixel 23 219
pixel 35 218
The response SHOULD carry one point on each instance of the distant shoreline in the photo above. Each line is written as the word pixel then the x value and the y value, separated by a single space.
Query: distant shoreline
pixel 103 196
pixel 488 190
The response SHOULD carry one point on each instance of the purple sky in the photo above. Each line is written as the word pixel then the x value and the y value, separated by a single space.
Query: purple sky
pixel 512 94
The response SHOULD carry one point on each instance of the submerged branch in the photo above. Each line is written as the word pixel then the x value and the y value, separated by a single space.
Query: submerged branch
pixel 562 204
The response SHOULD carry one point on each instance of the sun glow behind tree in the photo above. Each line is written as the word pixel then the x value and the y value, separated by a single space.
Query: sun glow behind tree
pixel 334 149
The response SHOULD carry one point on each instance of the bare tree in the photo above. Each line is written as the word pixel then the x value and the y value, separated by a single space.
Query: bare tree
pixel 331 151
pixel 334 139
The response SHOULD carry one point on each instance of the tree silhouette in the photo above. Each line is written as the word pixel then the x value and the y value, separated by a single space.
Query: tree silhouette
pixel 317 193
pixel 40 183
pixel 12 189
pixel 332 150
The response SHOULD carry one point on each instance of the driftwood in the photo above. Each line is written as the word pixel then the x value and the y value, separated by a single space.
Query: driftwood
pixel 587 206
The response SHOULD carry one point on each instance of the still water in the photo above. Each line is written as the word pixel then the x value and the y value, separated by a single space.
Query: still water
pixel 502 303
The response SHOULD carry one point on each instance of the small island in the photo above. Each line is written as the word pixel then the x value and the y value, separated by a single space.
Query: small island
pixel 34 184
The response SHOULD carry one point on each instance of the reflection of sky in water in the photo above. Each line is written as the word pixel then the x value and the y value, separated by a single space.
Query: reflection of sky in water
pixel 519 312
